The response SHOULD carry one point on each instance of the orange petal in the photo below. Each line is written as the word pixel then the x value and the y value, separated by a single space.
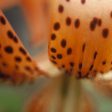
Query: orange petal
pixel 15 62
pixel 8 3
pixel 36 18
pixel 80 36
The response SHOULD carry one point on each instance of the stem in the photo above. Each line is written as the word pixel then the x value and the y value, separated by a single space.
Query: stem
pixel 71 93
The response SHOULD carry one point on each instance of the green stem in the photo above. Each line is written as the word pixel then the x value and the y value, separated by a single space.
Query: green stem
pixel 69 83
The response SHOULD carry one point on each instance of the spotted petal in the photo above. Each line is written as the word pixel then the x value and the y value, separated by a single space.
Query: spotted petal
pixel 16 65
pixel 81 37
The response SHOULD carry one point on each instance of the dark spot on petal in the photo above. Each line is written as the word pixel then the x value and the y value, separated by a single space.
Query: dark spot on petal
pixel 53 37
pixel 77 23
pixel 83 1
pixel 11 36
pixel 69 51
pixel 68 21
pixel 28 59
pixel 54 62
pixel 22 50
pixel 104 62
pixel 59 56
pixel 56 26
pixel 2 20
pixel 53 57
pixel 80 66
pixel 68 0
pixel 18 59
pixel 99 22
pixel 79 75
pixel 91 67
pixel 8 49
pixel 63 43
pixel 63 66
pixel 83 47
pixel 60 8
pixel 95 54
pixel 53 50
pixel 71 64
pixel 93 24
pixel 105 32
pixel 111 14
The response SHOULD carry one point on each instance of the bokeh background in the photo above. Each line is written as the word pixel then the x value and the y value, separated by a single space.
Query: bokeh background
pixel 15 99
